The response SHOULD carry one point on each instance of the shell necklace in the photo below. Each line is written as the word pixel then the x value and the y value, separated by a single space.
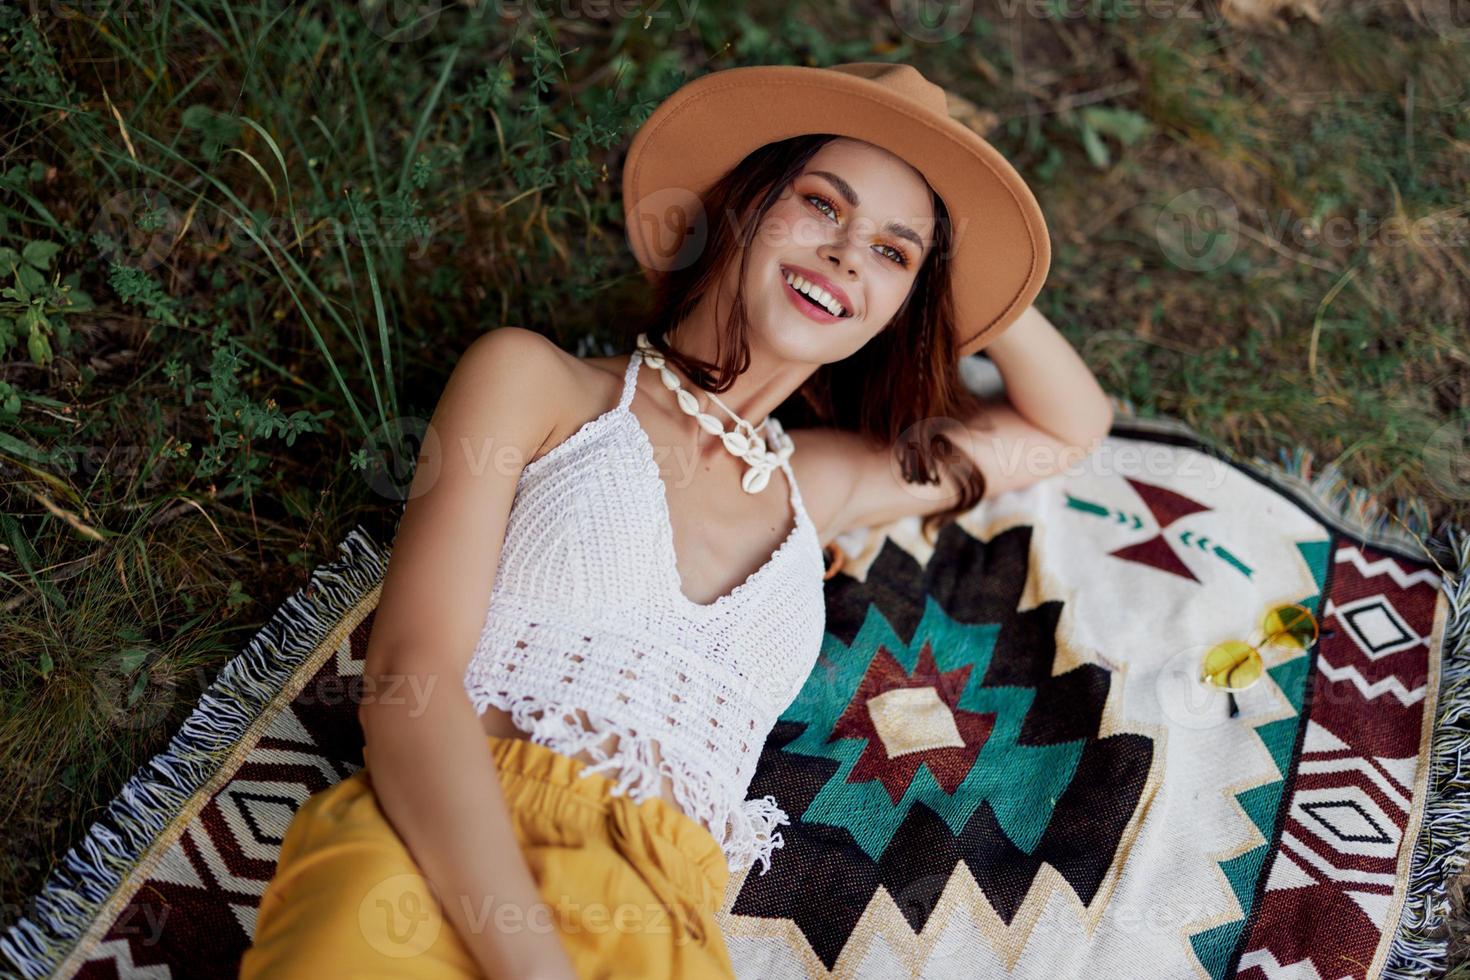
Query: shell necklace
pixel 743 440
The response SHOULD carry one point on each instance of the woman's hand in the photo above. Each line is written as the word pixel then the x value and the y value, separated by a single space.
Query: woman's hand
pixel 1048 382
pixel 531 954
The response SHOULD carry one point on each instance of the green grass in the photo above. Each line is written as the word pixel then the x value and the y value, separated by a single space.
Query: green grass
pixel 278 225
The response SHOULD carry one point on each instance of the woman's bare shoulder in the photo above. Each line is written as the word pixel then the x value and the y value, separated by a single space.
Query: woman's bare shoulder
pixel 515 358
pixel 578 388
pixel 512 349
pixel 824 464
pixel 600 371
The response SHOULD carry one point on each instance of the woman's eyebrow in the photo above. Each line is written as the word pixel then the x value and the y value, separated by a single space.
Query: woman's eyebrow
pixel 851 196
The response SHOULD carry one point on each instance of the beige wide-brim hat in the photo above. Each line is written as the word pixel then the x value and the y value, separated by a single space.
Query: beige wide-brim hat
pixel 1001 251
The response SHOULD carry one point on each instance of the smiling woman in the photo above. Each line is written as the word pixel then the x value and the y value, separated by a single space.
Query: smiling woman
pixel 832 263
pixel 806 215
pixel 868 254
pixel 839 271
pixel 639 636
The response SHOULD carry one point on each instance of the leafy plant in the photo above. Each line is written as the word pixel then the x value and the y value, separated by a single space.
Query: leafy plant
pixel 1124 125
pixel 37 300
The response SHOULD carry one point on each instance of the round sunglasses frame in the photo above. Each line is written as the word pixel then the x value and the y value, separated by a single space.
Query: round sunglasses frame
pixel 1228 657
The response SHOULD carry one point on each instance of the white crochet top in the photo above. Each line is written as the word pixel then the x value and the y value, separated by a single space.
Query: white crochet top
pixel 587 611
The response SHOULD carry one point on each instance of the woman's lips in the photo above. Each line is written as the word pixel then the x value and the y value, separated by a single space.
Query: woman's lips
pixel 807 306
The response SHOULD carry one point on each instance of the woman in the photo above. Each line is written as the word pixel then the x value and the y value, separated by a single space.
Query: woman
pixel 596 562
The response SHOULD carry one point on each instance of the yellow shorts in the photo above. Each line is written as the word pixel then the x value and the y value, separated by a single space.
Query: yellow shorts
pixel 632 888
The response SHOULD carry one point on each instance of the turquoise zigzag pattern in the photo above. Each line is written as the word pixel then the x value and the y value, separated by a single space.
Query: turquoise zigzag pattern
pixel 1214 945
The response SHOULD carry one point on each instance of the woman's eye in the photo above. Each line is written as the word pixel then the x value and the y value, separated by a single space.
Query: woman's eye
pixel 823 200
pixel 897 254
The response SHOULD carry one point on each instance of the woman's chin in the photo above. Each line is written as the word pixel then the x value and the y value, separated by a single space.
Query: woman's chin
pixel 796 338
pixel 791 329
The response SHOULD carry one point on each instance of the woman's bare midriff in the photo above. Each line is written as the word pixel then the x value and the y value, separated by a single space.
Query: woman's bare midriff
pixel 497 721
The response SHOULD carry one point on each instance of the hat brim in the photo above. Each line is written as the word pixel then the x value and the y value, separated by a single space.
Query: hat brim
pixel 1000 250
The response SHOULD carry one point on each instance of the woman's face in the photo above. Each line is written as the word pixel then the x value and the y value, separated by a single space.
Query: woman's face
pixel 858 221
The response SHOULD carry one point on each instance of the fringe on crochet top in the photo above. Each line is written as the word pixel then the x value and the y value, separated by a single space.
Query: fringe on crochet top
pixel 587 612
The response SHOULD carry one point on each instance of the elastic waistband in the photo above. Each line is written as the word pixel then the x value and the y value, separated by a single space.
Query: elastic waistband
pixel 534 775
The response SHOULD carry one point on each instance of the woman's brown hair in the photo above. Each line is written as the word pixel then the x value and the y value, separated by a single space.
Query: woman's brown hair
pixel 901 389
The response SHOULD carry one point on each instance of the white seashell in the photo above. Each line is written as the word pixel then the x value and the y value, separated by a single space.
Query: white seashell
pixel 755 479
pixel 744 440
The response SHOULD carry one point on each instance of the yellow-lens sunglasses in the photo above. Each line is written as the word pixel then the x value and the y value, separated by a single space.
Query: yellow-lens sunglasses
pixel 1237 665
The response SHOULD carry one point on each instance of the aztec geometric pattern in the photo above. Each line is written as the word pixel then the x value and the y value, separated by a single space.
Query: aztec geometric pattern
pixel 1000 764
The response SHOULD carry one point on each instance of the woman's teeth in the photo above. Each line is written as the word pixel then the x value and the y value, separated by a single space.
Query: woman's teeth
pixel 816 294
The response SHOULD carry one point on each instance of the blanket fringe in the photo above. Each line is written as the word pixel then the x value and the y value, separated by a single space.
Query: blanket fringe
pixel 1420 946
pixel 86 878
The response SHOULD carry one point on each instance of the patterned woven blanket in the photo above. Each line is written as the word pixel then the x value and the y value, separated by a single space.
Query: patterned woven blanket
pixel 1001 764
